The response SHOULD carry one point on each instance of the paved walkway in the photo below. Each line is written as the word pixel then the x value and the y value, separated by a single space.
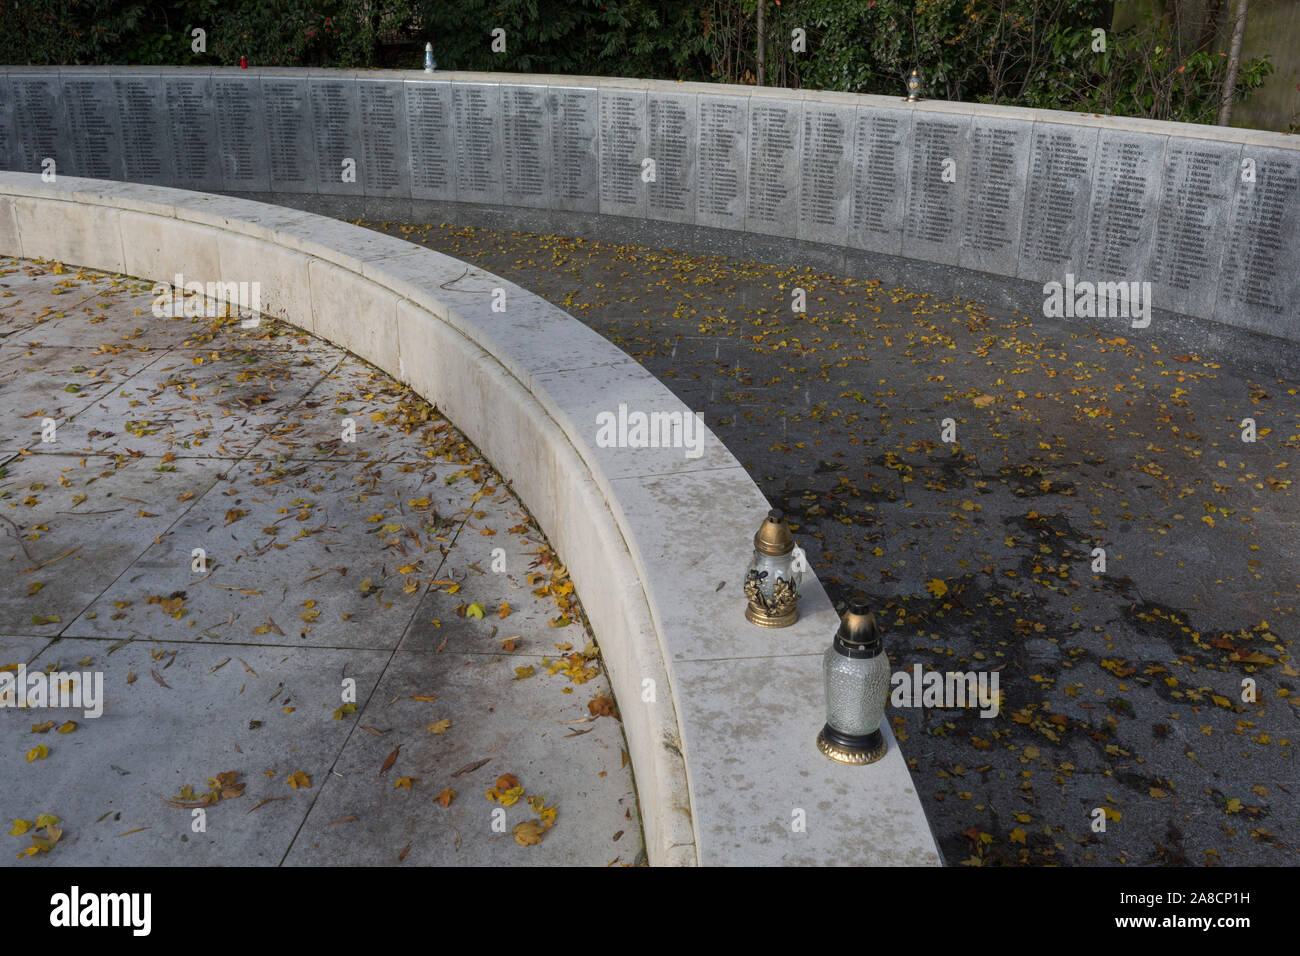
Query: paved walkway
pixel 393 570
pixel 1123 691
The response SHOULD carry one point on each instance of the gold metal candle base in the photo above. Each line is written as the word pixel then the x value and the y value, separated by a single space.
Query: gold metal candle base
pixel 763 619
pixel 833 745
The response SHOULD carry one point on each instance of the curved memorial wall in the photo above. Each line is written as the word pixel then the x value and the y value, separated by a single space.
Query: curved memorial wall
pixel 1209 216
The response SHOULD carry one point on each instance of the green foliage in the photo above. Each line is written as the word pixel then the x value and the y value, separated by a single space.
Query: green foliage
pixel 51 32
pixel 1025 52
pixel 1141 74
pixel 660 39
pixel 326 33
pixel 1036 53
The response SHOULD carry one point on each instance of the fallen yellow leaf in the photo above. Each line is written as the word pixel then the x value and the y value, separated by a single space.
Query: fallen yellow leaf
pixel 529 833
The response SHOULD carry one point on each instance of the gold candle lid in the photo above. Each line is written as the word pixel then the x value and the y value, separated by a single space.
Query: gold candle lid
pixel 773 537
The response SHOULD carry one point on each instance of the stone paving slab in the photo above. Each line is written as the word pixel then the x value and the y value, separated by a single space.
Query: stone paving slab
pixel 153 740
pixel 274 540
pixel 534 741
pixel 58 383
pixel 88 533
pixel 397 560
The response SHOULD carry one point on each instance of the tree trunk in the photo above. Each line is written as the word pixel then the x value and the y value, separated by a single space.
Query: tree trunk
pixel 761 51
pixel 1234 63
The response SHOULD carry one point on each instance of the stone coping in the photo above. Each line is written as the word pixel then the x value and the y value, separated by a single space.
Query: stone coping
pixel 1224 134
pixel 719 715
pixel 1197 220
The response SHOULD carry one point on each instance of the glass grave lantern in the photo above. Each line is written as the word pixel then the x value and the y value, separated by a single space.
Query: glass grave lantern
pixel 914 86
pixel 857 687
pixel 774 575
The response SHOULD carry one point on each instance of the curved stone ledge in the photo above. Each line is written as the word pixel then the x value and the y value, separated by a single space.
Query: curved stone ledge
pixel 656 543
pixel 1209 216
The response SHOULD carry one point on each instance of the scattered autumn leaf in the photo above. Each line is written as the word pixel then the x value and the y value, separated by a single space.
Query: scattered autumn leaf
pixel 529 833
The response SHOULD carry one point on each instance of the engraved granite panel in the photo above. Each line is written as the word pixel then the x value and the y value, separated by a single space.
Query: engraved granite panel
pixel 826 173
pixel 525 146
pixel 1125 205
pixel 336 130
pixel 1197 190
pixel 290 141
pixel 624 144
pixel 477 112
pixel 192 122
pixel 93 140
pixel 775 135
pixel 142 120
pixel 1055 226
pixel 429 127
pixel 673 139
pixel 241 133
pixel 385 163
pixel 1260 276
pixel 38 123
pixel 882 141
pixel 939 176
pixel 995 194
pixel 8 132
pixel 721 161
pixel 574 117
